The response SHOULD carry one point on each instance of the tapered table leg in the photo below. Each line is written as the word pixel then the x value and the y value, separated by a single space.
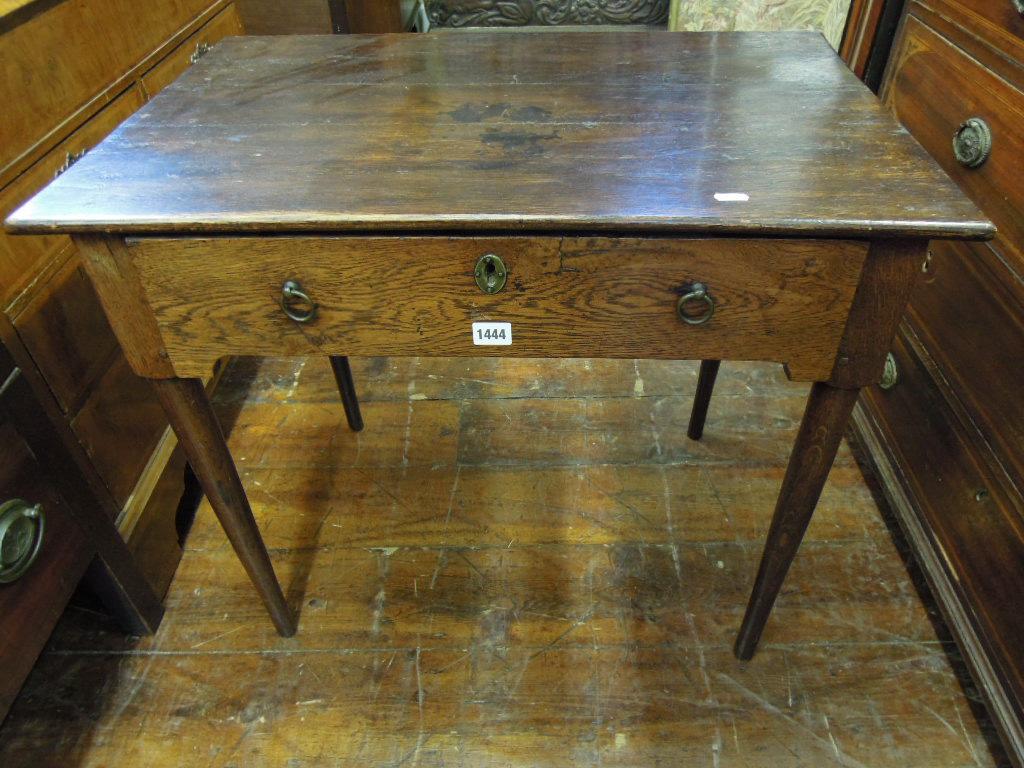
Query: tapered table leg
pixel 347 388
pixel 828 409
pixel 702 397
pixel 192 417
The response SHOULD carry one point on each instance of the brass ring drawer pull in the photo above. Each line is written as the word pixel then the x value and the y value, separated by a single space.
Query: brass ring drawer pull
pixel 21 538
pixel 972 142
pixel 696 306
pixel 292 300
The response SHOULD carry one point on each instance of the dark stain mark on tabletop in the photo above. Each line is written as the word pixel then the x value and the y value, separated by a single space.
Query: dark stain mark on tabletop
pixel 515 142
pixel 478 113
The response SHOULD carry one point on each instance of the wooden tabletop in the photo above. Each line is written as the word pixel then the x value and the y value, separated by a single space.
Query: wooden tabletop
pixel 689 133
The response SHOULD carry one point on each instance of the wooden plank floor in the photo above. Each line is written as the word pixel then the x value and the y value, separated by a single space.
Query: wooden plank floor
pixel 517 563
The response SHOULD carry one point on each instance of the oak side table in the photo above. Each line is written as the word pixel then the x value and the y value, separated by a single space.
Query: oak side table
pixel 735 196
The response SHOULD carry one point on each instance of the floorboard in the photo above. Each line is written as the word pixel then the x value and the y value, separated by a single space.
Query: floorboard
pixel 517 563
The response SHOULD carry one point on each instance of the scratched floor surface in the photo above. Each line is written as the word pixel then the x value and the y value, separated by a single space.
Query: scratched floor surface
pixel 517 563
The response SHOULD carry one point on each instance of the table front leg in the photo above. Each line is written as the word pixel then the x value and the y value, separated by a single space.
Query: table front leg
pixel 192 417
pixel 821 430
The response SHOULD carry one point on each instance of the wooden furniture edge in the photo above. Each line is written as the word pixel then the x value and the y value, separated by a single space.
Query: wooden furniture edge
pixel 44 396
pixel 113 275
pixel 933 562
pixel 887 278
pixel 114 89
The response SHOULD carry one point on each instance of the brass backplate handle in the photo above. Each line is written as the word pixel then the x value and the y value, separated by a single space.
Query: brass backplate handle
pixel 890 374
pixel 972 142
pixel 201 50
pixel 21 538
pixel 696 306
pixel 490 273
pixel 296 303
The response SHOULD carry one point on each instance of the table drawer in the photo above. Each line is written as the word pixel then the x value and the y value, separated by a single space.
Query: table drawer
pixel 968 315
pixel 781 300
pixel 936 88
pixel 224 24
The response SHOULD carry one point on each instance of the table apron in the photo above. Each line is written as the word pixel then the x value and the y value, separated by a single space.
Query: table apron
pixel 776 300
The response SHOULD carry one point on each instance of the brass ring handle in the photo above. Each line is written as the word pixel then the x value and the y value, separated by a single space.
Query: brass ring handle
pixel 291 295
pixel 698 293
pixel 972 142
pixel 21 538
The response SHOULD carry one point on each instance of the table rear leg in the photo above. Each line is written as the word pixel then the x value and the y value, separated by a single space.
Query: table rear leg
pixel 192 417
pixel 821 430
pixel 347 388
pixel 702 397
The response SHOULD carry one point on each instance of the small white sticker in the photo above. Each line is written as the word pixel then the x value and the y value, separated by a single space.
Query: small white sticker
pixel 732 197
pixel 492 334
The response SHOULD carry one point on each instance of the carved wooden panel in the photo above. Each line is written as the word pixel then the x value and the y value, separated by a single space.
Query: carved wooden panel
pixel 515 13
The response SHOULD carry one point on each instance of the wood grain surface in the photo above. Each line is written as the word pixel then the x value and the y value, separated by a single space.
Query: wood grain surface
pixel 780 300
pixel 935 86
pixel 61 59
pixel 518 563
pixel 568 131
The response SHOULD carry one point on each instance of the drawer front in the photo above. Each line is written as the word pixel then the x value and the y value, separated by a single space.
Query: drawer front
pixel 999 18
pixel 21 256
pixel 67 334
pixel 935 87
pixel 59 60
pixel 781 300
pixel 224 24
pixel 31 605
pixel 974 520
pixel 966 312
pixel 119 426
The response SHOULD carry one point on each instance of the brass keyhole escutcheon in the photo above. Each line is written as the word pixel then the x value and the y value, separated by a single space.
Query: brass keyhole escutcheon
pixel 490 273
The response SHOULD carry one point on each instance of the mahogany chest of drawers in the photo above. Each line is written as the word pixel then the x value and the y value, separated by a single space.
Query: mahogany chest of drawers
pixel 947 437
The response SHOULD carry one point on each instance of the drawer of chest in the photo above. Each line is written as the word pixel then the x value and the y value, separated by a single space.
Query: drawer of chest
pixel 119 425
pixel 967 510
pixel 60 59
pixel 969 119
pixel 967 312
pixel 21 257
pixel 45 554
pixel 996 19
pixel 224 24
pixel 780 300
pixel 64 329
